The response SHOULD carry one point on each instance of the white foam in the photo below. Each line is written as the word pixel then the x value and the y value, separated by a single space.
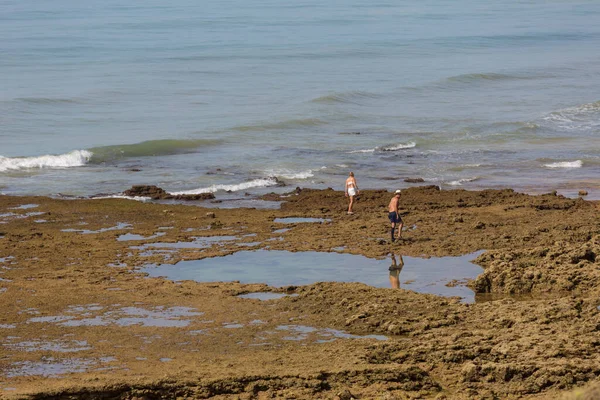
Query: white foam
pixel 362 151
pixel 75 158
pixel 396 147
pixel 583 117
pixel 400 146
pixel 461 181
pixel 263 182
pixel 565 164
pixel 287 174
pixel 119 196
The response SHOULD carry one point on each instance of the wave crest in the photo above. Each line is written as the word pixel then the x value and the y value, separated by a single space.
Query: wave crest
pixel 396 147
pixel 75 158
pixel 459 182
pixel 565 164
pixel 262 182
pixel 582 117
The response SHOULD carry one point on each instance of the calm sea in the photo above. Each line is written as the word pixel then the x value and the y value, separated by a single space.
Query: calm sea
pixel 232 96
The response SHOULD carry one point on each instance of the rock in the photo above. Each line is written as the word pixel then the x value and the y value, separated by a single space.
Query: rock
pixel 211 215
pixel 479 225
pixel 469 372
pixel 156 193
pixel 583 193
pixel 414 180
pixel 345 395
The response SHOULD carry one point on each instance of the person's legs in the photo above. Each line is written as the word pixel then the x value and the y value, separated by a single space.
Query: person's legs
pixel 351 204
pixel 400 225
pixel 392 218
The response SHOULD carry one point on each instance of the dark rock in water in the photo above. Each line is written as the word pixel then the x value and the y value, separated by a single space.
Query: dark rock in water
pixel 271 197
pixel 583 193
pixel 279 182
pixel 414 180
pixel 156 193
pixel 134 170
pixel 187 197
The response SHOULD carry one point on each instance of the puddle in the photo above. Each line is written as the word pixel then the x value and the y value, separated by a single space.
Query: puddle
pixel 57 346
pixel 25 207
pixel 7 326
pixel 301 332
pixel 117 265
pixel 282 230
pixel 119 226
pixel 295 220
pixel 249 244
pixel 126 316
pixel 263 296
pixel 232 326
pixel 50 367
pixel 198 243
pixel 283 268
pixel 130 236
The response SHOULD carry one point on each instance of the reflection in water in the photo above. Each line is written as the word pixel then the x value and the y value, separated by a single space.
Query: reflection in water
pixel 395 270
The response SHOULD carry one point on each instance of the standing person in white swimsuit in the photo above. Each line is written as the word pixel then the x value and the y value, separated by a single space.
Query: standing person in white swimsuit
pixel 351 191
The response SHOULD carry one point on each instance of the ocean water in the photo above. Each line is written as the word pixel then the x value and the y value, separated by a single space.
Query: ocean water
pixel 233 96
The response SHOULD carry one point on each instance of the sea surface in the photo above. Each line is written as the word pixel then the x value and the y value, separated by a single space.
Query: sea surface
pixel 235 96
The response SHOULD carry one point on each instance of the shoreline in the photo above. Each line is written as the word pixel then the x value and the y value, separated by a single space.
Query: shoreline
pixel 75 303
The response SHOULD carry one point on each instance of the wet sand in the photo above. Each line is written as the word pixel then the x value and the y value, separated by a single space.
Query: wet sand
pixel 79 319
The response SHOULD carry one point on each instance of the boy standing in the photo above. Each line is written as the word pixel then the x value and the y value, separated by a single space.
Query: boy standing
pixel 394 216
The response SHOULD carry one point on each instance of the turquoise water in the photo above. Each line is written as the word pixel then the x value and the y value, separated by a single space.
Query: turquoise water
pixel 230 95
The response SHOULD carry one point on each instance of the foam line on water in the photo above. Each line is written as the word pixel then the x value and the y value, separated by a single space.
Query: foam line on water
pixel 75 158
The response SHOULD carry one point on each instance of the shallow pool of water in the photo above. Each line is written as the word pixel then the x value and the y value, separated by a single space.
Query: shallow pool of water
pixel 282 268
pixel 294 220
pixel 119 226
pixel 131 236
pixel 198 243
pixel 263 296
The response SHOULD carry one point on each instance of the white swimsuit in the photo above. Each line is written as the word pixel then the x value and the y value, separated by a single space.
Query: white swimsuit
pixel 351 191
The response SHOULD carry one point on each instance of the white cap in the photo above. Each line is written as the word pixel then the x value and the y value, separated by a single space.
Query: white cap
pixel 398 191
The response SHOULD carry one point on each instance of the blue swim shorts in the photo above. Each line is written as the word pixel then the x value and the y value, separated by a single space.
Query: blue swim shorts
pixel 394 217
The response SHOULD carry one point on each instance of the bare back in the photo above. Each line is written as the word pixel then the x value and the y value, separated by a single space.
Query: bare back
pixel 393 207
pixel 350 183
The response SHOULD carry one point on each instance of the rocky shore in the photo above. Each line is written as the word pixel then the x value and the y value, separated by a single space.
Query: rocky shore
pixel 79 319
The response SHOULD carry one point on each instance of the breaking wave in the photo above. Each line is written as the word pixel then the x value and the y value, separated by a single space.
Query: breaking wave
pixel 459 182
pixel 75 158
pixel 400 146
pixel 583 117
pixel 287 174
pixel 396 147
pixel 256 183
pixel 565 164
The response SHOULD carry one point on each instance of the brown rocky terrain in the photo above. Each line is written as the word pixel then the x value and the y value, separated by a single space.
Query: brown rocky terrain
pixel 79 319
